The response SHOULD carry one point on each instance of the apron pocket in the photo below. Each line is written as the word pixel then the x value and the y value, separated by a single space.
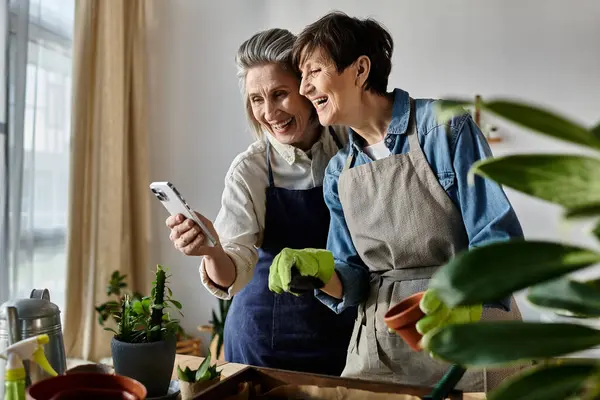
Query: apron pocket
pixel 390 293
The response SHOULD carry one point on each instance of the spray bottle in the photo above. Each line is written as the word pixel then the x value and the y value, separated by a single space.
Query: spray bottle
pixel 29 349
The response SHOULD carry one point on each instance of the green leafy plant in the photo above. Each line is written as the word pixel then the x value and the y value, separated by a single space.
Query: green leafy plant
pixel 112 309
pixel 495 271
pixel 205 372
pixel 116 287
pixel 147 319
pixel 218 323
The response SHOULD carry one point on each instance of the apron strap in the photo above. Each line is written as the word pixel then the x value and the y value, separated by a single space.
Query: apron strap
pixel 269 169
pixel 413 137
pixel 336 139
pixel 408 274
pixel 350 159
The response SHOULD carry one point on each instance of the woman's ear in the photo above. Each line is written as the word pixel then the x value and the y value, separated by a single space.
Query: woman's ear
pixel 363 68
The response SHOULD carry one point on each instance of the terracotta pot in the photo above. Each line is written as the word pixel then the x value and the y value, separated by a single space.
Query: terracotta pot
pixel 403 318
pixel 190 389
pixel 87 386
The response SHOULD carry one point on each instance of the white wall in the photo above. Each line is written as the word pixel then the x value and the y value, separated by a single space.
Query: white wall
pixel 539 50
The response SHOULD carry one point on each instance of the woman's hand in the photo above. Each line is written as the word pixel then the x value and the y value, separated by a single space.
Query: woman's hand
pixel 187 237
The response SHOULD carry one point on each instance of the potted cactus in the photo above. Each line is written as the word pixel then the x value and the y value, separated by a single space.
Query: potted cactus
pixel 543 268
pixel 192 382
pixel 144 342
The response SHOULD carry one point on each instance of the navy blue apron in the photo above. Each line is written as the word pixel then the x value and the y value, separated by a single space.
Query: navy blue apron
pixel 284 331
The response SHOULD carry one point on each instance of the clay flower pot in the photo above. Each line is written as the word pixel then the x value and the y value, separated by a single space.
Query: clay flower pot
pixel 403 318
pixel 89 386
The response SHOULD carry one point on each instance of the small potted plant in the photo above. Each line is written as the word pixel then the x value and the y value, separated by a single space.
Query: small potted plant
pixel 117 287
pixel 192 382
pixel 144 344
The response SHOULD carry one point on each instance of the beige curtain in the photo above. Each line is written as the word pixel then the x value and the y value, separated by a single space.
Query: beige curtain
pixel 109 223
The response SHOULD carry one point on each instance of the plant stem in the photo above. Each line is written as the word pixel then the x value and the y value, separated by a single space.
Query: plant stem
pixel 157 312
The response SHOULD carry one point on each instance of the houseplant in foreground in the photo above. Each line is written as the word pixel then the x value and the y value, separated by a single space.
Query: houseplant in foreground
pixel 497 270
pixel 192 382
pixel 143 347
pixel 116 289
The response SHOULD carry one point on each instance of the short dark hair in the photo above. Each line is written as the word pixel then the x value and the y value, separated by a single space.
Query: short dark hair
pixel 344 39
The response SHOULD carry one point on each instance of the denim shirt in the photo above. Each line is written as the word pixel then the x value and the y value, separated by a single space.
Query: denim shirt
pixel 450 148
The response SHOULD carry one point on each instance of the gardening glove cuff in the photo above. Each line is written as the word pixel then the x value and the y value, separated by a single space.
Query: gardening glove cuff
pixel 315 263
pixel 437 314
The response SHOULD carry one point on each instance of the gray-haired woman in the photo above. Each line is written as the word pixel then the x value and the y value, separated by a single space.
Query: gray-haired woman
pixel 273 199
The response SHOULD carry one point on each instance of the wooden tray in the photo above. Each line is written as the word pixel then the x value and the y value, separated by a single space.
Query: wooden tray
pixel 270 378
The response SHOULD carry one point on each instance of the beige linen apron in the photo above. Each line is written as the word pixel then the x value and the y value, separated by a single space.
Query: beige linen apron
pixel 404 226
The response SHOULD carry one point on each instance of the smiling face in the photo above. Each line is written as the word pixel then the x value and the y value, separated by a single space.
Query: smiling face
pixel 336 96
pixel 278 106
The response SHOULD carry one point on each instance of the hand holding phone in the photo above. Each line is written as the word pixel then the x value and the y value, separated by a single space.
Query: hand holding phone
pixel 172 200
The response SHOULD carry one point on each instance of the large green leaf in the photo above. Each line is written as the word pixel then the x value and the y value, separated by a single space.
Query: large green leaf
pixel 578 298
pixel 586 211
pixel 492 272
pixel 500 343
pixel 568 180
pixel 543 121
pixel 596 131
pixel 596 231
pixel 556 382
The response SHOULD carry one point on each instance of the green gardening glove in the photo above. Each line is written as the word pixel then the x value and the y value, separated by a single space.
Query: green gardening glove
pixel 315 263
pixel 437 314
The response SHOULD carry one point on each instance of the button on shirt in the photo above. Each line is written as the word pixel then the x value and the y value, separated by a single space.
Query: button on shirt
pixel 450 148
pixel 241 219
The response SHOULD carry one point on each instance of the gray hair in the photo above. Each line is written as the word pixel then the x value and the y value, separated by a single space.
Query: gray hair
pixel 273 46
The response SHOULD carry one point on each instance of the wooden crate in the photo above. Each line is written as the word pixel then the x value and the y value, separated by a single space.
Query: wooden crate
pixel 270 378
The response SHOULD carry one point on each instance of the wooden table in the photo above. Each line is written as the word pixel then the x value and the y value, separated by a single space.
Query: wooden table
pixel 228 369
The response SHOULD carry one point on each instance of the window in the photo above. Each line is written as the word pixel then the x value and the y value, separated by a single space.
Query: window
pixel 39 128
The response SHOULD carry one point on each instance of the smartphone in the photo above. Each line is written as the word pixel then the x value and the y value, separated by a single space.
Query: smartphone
pixel 172 200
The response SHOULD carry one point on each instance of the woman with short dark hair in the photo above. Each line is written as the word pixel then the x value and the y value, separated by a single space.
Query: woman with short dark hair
pixel 400 202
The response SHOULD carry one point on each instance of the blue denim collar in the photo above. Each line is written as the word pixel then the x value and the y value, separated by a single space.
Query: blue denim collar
pixel 399 123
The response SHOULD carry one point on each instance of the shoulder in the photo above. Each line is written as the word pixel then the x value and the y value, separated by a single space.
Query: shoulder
pixel 249 163
pixel 430 126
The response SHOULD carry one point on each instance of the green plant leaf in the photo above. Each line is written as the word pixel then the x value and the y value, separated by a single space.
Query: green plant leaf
pixel 494 271
pixel 203 369
pixel 542 121
pixel 138 308
pixel 181 374
pixel 556 382
pixel 596 131
pixel 568 180
pixel 482 344
pixel 564 294
pixel 586 211
pixel 146 304
pixel 596 231
pixel 176 304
